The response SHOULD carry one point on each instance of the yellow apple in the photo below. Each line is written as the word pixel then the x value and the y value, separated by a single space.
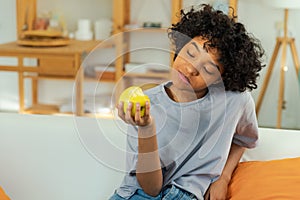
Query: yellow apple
pixel 135 95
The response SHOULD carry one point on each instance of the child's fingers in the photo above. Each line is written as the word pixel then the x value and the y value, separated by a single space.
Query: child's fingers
pixel 121 113
pixel 145 119
pixel 128 117
pixel 137 119
pixel 137 116
pixel 147 111
pixel 147 107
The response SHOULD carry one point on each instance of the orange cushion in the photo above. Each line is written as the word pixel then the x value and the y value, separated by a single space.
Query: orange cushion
pixel 3 196
pixel 263 180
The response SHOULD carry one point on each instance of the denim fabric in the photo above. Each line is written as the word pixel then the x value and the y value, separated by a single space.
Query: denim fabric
pixel 171 193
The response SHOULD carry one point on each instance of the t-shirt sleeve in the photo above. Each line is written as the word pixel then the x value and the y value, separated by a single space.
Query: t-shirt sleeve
pixel 246 134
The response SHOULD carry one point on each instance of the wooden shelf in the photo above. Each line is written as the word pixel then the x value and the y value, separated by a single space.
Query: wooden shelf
pixel 148 30
pixel 121 24
pixel 75 46
pixel 42 109
pixel 70 78
pixel 105 76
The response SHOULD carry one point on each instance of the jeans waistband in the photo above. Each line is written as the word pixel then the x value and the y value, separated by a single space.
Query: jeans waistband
pixel 170 188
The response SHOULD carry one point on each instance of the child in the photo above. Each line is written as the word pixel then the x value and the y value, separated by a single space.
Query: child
pixel 190 141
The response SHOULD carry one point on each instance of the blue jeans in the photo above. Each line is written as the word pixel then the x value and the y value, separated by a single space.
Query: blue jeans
pixel 170 193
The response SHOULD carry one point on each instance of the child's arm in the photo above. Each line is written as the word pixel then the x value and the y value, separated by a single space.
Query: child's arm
pixel 148 169
pixel 218 189
pixel 148 172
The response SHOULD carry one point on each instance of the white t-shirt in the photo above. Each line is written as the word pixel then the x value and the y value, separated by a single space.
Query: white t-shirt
pixel 194 138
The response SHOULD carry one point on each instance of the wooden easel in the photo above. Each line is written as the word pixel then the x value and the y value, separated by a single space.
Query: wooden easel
pixel 280 41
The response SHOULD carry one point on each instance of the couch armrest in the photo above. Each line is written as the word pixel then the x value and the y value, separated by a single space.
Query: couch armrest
pixel 274 144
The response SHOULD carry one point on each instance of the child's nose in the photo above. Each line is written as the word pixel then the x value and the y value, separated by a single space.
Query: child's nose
pixel 191 70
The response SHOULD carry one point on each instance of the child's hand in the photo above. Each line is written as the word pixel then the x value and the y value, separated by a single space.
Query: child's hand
pixel 217 190
pixel 137 119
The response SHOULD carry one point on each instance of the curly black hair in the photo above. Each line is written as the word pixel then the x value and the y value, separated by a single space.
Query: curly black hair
pixel 240 53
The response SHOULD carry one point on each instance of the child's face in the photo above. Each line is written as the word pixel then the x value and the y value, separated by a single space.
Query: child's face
pixel 195 68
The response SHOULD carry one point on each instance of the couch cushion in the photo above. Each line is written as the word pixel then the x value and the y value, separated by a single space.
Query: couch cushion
pixel 257 180
pixel 3 196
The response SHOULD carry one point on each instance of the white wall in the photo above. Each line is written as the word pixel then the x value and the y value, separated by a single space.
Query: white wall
pixel 258 18
pixel 7 21
pixel 8 80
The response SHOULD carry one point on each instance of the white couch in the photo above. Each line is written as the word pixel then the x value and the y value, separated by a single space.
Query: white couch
pixel 74 158
pixel 56 157
pixel 275 144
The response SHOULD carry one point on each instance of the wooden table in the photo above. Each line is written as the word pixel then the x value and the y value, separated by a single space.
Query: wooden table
pixel 52 62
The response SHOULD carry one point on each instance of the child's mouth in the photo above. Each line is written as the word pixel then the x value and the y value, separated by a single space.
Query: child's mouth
pixel 183 78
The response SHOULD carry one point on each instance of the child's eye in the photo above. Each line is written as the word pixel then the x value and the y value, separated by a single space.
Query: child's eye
pixel 190 54
pixel 207 71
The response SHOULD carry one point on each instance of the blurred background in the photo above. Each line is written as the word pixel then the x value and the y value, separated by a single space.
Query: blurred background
pixel 264 21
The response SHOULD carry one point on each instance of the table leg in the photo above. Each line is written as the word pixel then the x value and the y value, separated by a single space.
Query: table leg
pixel 79 86
pixel 21 84
pixel 34 85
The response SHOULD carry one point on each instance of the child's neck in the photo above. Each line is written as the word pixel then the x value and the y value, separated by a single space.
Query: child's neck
pixel 184 95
